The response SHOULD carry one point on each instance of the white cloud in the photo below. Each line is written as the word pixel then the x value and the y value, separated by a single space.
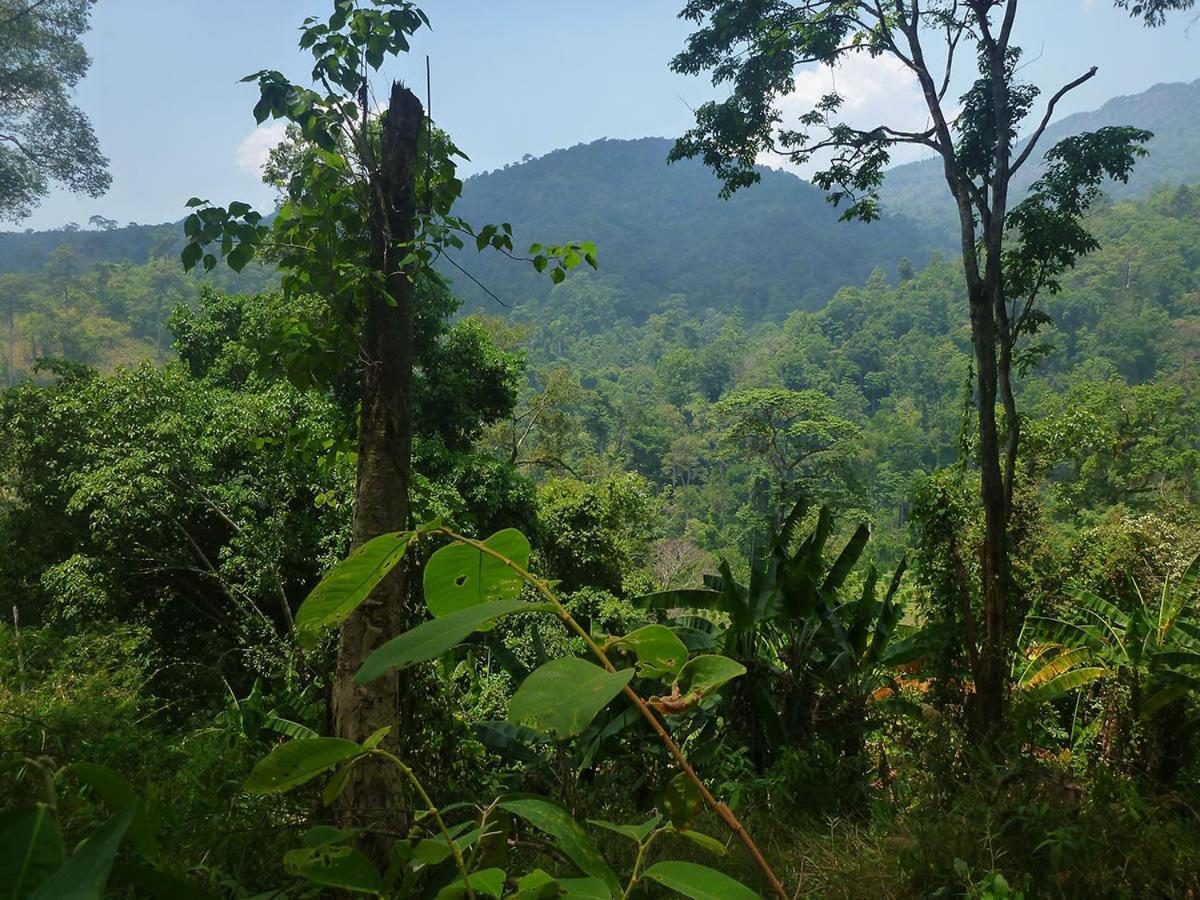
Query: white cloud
pixel 253 151
pixel 875 91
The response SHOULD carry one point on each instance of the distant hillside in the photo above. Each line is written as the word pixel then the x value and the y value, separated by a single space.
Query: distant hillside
pixel 1171 111
pixel 27 252
pixel 662 230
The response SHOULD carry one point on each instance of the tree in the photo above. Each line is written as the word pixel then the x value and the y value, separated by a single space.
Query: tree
pixel 790 432
pixel 367 214
pixel 1012 252
pixel 44 138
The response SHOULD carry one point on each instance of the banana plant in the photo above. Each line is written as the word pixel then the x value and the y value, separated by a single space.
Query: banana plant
pixel 1156 645
pixel 469 587
pixel 796 633
pixel 1152 649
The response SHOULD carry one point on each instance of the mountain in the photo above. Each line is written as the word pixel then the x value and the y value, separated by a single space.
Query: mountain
pixel 1171 111
pixel 662 230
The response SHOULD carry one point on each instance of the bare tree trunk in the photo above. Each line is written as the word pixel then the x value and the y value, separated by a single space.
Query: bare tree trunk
pixel 375 797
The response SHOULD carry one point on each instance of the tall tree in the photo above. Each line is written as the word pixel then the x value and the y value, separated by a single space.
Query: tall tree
pixel 366 213
pixel 1012 252
pixel 44 137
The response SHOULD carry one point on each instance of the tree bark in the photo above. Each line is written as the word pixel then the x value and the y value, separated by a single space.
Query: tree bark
pixel 375 797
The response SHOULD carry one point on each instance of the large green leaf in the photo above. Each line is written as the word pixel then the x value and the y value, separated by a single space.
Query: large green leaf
pixel 512 741
pixel 705 674
pixel 30 849
pixel 296 762
pixel 485 883
pixel 564 695
pixel 84 875
pixel 459 575
pixel 698 882
pixel 334 865
pixel 431 639
pixel 570 838
pixel 119 794
pixel 348 584
pixel 843 565
pixel 585 889
pixel 660 653
pixel 1065 683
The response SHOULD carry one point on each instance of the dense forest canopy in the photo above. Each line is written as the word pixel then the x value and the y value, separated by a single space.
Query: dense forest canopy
pixel 571 530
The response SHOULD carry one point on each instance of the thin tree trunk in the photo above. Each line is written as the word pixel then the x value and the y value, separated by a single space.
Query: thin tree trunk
pixel 375 797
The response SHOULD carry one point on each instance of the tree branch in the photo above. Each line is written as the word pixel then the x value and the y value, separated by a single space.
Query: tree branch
pixel 1037 135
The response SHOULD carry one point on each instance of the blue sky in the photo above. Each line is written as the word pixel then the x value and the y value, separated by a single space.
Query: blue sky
pixel 510 77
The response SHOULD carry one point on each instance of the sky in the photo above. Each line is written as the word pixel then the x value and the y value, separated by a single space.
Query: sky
pixel 510 77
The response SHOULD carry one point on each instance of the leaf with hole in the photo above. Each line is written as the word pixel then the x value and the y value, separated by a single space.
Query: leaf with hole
pixel 460 575
pixel 296 762
pixel 660 653
pixel 334 865
pixel 564 695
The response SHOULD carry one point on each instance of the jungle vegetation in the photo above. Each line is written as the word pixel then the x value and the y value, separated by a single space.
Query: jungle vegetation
pixel 331 576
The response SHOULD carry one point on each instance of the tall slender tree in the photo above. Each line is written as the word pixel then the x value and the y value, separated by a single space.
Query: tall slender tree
pixel 366 214
pixel 1013 250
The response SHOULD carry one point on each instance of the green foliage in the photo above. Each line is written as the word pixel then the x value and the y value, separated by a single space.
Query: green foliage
pixel 44 137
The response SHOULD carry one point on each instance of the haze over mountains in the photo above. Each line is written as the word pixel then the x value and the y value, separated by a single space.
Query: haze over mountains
pixel 662 230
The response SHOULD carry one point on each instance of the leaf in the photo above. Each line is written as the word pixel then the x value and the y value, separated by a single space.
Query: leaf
pixel 485 882
pixel 711 844
pixel 681 801
pixel 846 559
pixel 585 889
pixel 431 639
pixel 698 882
pixel 635 833
pixel 538 885
pixel 348 584
pixel 1055 667
pixel 1065 683
pixel 30 849
pixel 335 866
pixel 569 836
pixel 660 652
pixel 510 740
pixel 296 762
pixel 459 575
pixel 84 875
pixel 119 794
pixel 564 695
pixel 287 727
pixel 190 257
pixel 700 677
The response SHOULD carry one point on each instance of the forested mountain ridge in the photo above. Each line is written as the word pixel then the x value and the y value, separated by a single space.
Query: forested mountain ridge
pixel 663 228
pixel 1170 111
pixel 658 228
